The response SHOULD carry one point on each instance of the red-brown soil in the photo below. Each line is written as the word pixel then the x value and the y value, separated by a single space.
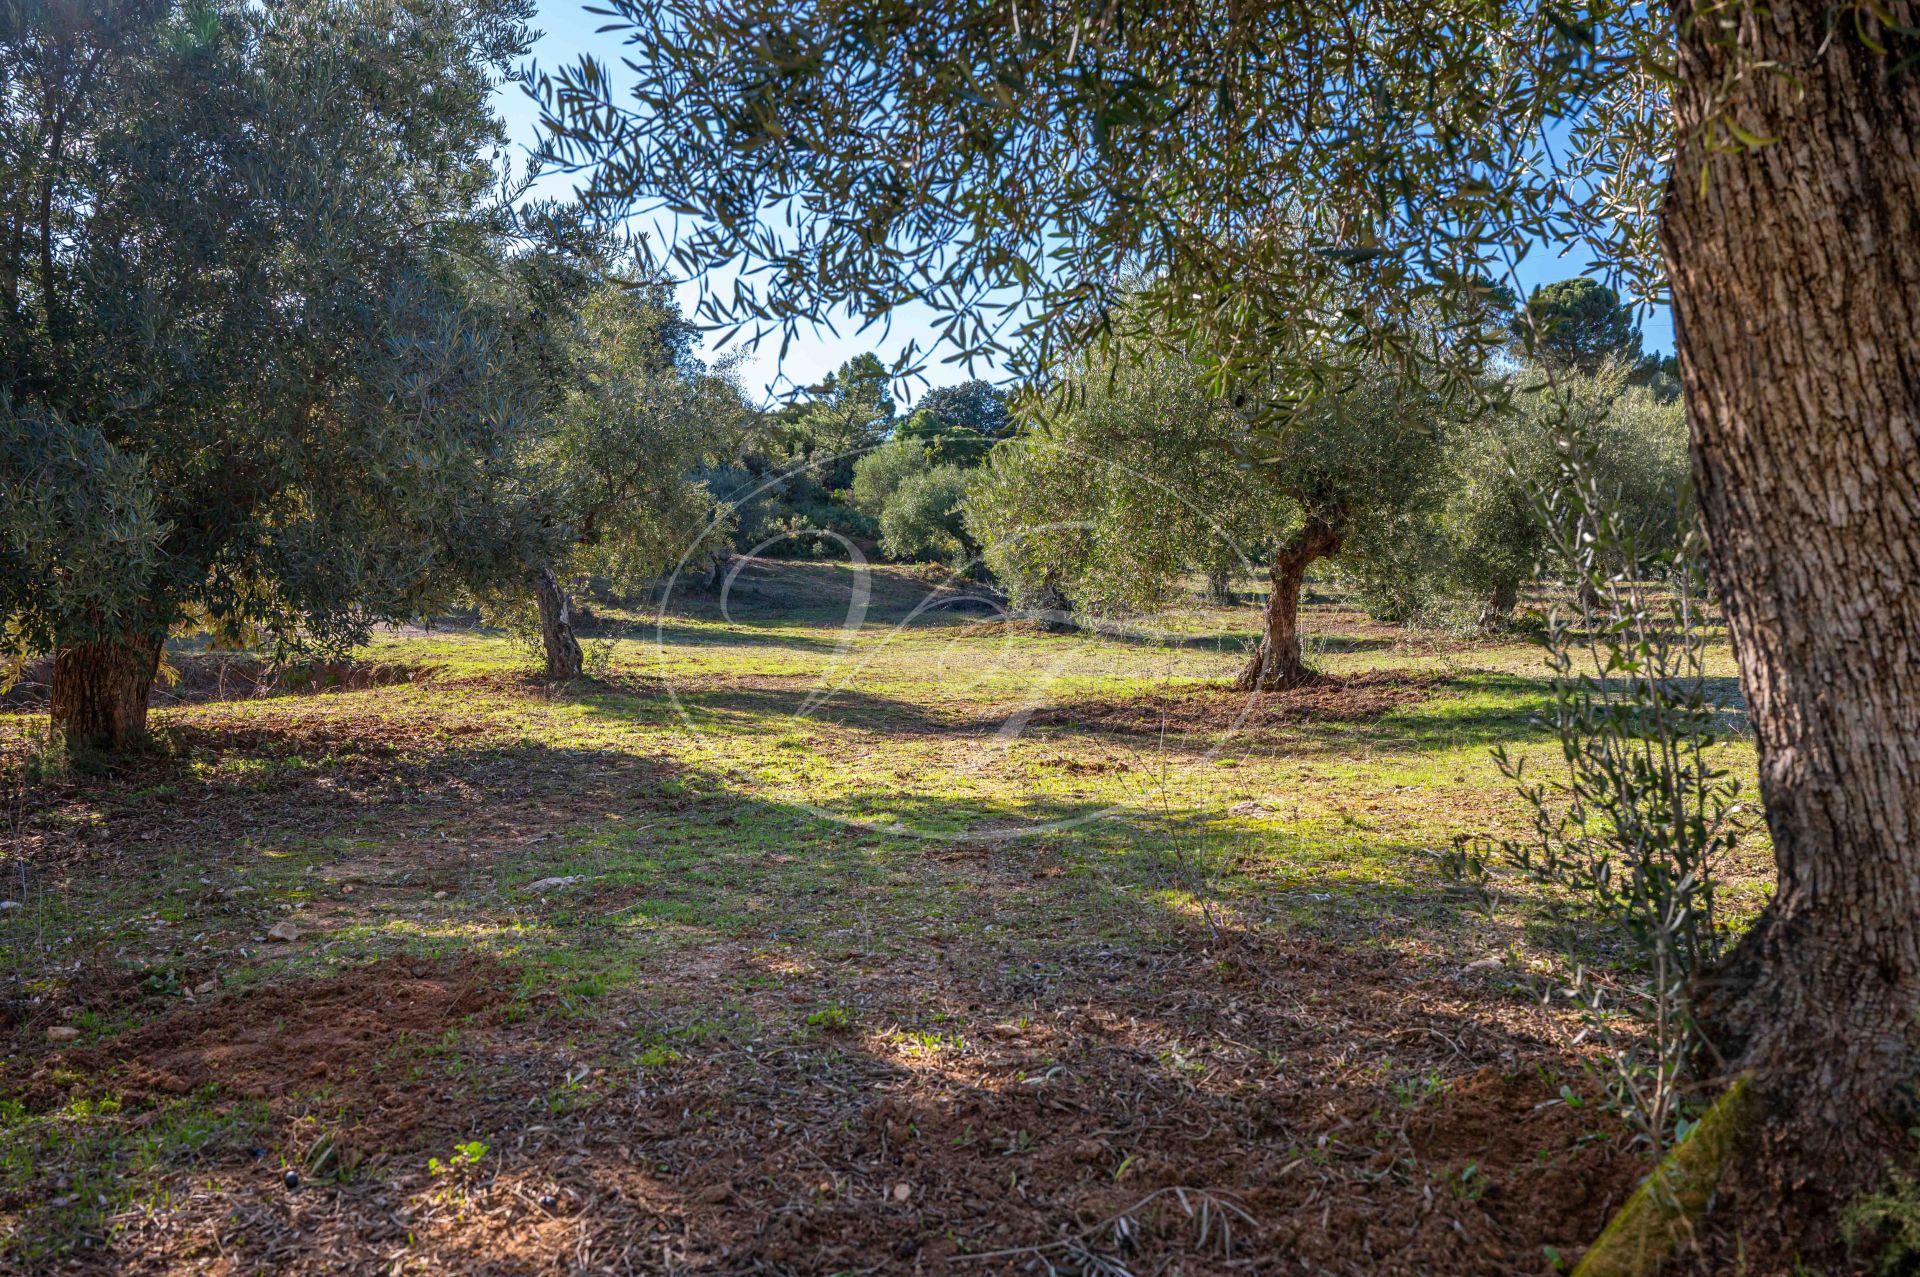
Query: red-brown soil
pixel 1076 1130
pixel 1052 1093
pixel 284 1039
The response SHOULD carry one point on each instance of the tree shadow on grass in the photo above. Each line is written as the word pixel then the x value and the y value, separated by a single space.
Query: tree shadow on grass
pixel 697 1027
pixel 771 706
pixel 1236 641
pixel 815 630
pixel 1038 1037
pixel 736 635
pixel 1375 711
pixel 1239 639
pixel 1501 707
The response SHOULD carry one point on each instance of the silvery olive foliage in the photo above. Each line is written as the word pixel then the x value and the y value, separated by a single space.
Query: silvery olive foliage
pixel 1311 185
pixel 239 383
pixel 915 498
pixel 610 476
pixel 1137 474
pixel 1128 476
pixel 1462 553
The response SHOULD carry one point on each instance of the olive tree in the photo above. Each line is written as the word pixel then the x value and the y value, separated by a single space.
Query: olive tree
pixel 879 474
pixel 608 477
pixel 1355 459
pixel 915 500
pixel 238 381
pixel 1759 166
pixel 1029 510
pixel 603 478
pixel 1176 478
pixel 1466 549
pixel 1127 479
pixel 925 519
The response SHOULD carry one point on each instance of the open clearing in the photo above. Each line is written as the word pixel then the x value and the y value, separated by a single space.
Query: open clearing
pixel 936 944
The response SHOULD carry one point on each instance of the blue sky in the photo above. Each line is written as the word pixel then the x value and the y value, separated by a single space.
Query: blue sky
pixel 570 31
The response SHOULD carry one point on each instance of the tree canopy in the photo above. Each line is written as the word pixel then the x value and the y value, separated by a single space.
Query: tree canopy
pixel 1130 476
pixel 1467 542
pixel 851 409
pixel 959 423
pixel 1024 163
pixel 1137 474
pixel 227 313
pixel 1579 324
pixel 601 478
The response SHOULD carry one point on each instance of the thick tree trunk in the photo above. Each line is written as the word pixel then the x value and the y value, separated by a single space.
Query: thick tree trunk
pixel 1051 606
pixel 1796 290
pixel 1498 609
pixel 1220 590
pixel 100 689
pixel 1277 662
pixel 556 627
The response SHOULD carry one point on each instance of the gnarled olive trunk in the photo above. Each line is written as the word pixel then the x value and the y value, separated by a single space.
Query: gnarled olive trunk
pixel 556 627
pixel 1497 611
pixel 1051 606
pixel 1220 590
pixel 1796 289
pixel 1278 662
pixel 100 689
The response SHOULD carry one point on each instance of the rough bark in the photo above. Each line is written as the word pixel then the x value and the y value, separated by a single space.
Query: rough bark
pixel 1796 290
pixel 556 627
pixel 1278 662
pixel 1220 590
pixel 100 690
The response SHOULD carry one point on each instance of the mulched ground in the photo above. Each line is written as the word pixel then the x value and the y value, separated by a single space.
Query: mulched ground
pixel 215 784
pixel 1229 1102
pixel 283 1040
pixel 1308 1107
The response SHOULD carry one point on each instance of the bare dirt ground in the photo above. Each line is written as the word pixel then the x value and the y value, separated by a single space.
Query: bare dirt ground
pixel 1071 1139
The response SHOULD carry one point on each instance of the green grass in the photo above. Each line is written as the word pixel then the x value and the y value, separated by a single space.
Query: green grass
pixel 755 818
pixel 814 802
pixel 106 1159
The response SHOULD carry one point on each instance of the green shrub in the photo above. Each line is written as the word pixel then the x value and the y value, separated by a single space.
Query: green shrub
pixel 925 519
pixel 879 474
